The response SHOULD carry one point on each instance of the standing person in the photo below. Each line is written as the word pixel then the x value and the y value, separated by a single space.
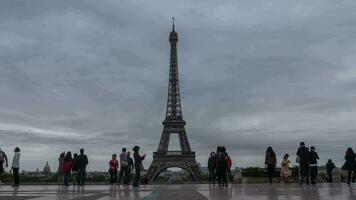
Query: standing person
pixel 114 164
pixel 60 172
pixel 138 165
pixel 124 165
pixel 130 167
pixel 349 164
pixel 330 166
pixel 67 167
pixel 16 166
pixel 3 159
pixel 285 171
pixel 221 166
pixel 270 163
pixel 75 168
pixel 82 163
pixel 212 167
pixel 314 157
pixel 304 160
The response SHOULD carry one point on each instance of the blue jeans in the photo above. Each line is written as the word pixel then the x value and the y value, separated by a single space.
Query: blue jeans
pixel 66 179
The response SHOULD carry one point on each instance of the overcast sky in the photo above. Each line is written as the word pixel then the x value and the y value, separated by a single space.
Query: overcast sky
pixel 94 74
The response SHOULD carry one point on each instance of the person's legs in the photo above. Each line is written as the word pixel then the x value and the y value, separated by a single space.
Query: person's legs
pixel 349 177
pixel 330 175
pixel 313 174
pixel 66 179
pixel 16 176
pixel 270 171
pixel 211 176
pixel 307 174
pixel 137 177
pixel 120 175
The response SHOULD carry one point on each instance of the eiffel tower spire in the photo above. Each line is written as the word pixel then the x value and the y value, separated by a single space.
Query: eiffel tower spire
pixel 174 107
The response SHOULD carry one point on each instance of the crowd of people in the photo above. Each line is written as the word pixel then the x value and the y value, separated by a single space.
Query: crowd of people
pixel 74 167
pixel 307 160
pixel 219 164
pixel 125 166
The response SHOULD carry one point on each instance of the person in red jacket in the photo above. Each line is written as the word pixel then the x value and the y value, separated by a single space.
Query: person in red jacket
pixel 114 164
pixel 67 167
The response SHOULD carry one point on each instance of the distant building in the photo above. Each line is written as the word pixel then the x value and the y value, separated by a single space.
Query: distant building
pixel 46 169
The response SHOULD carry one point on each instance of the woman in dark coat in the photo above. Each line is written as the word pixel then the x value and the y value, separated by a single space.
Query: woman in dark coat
pixel 221 166
pixel 270 163
pixel 350 164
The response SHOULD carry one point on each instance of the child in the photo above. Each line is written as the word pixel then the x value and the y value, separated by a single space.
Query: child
pixel 329 170
pixel 114 164
pixel 285 171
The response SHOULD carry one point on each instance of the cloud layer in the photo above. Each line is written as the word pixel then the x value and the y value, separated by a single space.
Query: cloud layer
pixel 94 74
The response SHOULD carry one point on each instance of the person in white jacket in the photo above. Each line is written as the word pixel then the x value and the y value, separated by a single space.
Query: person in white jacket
pixel 16 166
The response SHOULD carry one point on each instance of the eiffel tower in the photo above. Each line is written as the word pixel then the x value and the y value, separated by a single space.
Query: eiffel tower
pixel 173 124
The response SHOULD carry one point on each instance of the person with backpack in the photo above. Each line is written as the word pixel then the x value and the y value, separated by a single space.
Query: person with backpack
pixel 270 163
pixel 82 162
pixel 16 166
pixel 314 157
pixel 303 157
pixel 114 165
pixel 3 159
pixel 212 167
pixel 124 165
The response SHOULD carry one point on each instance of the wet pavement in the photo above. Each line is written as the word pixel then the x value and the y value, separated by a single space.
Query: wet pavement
pixel 187 192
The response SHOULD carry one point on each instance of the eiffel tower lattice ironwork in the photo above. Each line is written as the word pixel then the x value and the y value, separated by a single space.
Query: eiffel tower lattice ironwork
pixel 173 124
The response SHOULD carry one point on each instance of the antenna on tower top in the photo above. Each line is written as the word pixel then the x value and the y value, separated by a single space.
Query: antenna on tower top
pixel 173 23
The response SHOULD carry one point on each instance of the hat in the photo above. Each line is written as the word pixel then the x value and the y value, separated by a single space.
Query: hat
pixel 136 148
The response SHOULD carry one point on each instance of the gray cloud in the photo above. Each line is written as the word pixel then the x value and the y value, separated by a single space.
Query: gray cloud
pixel 94 74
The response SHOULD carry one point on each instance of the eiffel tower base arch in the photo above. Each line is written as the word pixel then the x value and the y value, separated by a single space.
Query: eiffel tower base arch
pixel 162 162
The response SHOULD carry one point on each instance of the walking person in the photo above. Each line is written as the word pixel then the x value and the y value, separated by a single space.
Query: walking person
pixel 16 166
pixel 75 169
pixel 3 159
pixel 330 166
pixel 114 165
pixel 124 165
pixel 130 167
pixel 67 167
pixel 304 161
pixel 138 165
pixel 314 157
pixel 350 164
pixel 82 162
pixel 212 167
pixel 60 172
pixel 285 171
pixel 270 163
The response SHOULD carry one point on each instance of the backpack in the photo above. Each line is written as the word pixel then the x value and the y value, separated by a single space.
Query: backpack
pixel 228 162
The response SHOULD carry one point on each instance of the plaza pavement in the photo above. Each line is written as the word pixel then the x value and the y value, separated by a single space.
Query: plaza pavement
pixel 185 192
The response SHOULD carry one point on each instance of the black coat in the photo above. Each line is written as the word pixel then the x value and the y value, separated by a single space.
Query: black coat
pixel 82 161
pixel 350 163
pixel 212 163
pixel 304 155
pixel 314 157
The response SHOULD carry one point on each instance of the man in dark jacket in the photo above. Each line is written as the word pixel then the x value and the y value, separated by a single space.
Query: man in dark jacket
pixel 82 162
pixel 304 161
pixel 314 157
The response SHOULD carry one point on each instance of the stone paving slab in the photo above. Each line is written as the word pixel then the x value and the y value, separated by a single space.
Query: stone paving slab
pixel 187 192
